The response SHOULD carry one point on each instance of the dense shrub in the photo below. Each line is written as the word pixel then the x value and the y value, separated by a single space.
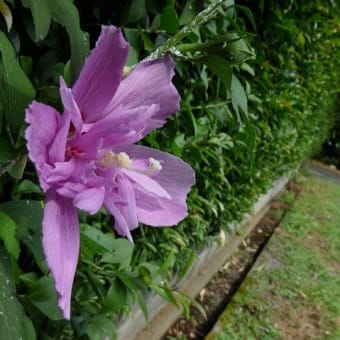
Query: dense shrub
pixel 259 87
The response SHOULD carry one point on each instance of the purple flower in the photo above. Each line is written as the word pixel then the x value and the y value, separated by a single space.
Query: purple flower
pixel 86 158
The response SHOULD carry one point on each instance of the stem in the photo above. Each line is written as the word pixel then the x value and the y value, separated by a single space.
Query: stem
pixel 204 16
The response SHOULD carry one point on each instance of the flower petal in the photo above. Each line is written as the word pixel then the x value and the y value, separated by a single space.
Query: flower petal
pixel 158 211
pixel 61 171
pixel 146 183
pixel 128 202
pixel 58 147
pixel 90 200
pixel 120 223
pixel 44 123
pixel 101 74
pixel 70 105
pixel 61 245
pixel 176 176
pixel 149 83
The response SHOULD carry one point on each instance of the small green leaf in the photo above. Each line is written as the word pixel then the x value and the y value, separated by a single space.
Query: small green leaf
pixel 238 95
pixel 220 67
pixel 132 58
pixel 41 17
pixel 188 13
pixel 148 44
pixel 130 283
pixel 7 234
pixel 115 298
pixel 42 294
pixel 17 169
pixel 28 217
pixel 136 11
pixel 16 89
pixel 169 20
pixel 96 240
pixel 120 254
pixel 145 275
pixel 101 327
pixel 26 187
pixel 247 12
pixel 166 293
pixel 8 155
pixel 65 13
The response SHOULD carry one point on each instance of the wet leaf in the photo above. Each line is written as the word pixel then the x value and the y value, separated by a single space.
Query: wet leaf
pixel 14 324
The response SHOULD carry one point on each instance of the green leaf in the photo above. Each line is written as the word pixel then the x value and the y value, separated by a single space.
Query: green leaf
pixel 247 12
pixel 166 293
pixel 8 155
pixel 136 11
pixel 101 327
pixel 148 44
pixel 26 187
pixel 188 13
pixel 28 218
pixel 65 13
pixel 120 254
pixel 41 17
pixel 6 12
pixel 132 58
pixel 130 283
pixel 145 275
pixel 14 324
pixel 169 20
pixel 238 97
pixel 220 67
pixel 42 294
pixel 96 240
pixel 16 89
pixel 17 170
pixel 115 298
pixel 7 234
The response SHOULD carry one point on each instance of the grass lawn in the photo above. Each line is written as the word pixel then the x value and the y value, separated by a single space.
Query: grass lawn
pixel 293 292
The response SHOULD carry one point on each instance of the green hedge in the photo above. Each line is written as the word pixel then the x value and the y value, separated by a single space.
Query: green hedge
pixel 259 83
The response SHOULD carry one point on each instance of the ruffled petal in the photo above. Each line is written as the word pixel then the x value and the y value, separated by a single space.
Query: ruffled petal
pixel 44 123
pixel 61 171
pixel 121 225
pixel 58 147
pixel 70 106
pixel 61 245
pixel 90 200
pixel 101 74
pixel 127 204
pixel 148 84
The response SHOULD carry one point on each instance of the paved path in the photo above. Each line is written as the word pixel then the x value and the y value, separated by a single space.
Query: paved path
pixel 322 171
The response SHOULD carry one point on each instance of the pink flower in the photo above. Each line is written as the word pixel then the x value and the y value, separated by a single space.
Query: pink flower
pixel 86 158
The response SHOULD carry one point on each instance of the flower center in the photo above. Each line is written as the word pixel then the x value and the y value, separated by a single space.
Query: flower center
pixel 122 160
pixel 119 160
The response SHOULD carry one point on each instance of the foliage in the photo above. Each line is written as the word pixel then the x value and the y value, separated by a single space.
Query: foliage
pixel 244 121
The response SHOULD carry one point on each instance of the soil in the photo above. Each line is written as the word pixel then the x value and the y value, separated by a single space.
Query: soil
pixel 217 294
